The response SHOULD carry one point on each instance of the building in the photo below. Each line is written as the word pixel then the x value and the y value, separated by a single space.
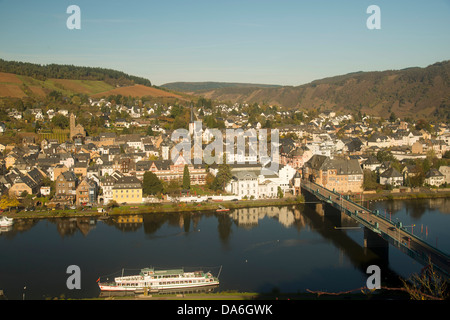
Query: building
pixel 127 189
pixel 106 184
pixel 66 186
pixel 296 184
pixel 371 163
pixel 76 130
pixel 392 177
pixel 244 184
pixel 166 170
pixel 86 193
pixel 341 175
pixel 254 182
pixel 445 170
pixel 23 184
pixel 434 177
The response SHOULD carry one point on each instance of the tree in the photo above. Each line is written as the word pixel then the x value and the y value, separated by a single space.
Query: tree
pixel 280 192
pixel 7 202
pixel 392 117
pixel 112 204
pixel 222 178
pixel 370 180
pixel 428 285
pixel 151 184
pixel 186 178
pixel 209 180
pixel 61 121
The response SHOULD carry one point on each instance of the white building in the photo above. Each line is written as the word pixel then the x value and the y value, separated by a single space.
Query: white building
pixel 434 177
pixel 392 177
pixel 254 184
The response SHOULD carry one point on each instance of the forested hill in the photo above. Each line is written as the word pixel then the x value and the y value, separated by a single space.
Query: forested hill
pixel 57 71
pixel 412 92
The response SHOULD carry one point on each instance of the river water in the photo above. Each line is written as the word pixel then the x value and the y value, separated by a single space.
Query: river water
pixel 272 249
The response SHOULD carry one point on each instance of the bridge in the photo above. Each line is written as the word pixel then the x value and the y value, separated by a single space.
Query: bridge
pixel 382 231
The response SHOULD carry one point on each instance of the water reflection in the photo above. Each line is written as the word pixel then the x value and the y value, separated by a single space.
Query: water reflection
pixel 416 208
pixel 308 245
pixel 297 217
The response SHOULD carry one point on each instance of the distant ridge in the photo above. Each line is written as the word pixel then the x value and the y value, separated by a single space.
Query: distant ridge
pixel 411 92
pixel 211 85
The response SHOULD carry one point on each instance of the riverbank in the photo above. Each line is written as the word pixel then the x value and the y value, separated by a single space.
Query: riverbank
pixel 253 296
pixel 174 207
pixel 163 207
pixel 386 195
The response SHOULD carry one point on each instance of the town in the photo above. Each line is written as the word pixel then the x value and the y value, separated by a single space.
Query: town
pixel 51 159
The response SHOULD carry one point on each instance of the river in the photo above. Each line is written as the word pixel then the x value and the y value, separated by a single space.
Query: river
pixel 271 249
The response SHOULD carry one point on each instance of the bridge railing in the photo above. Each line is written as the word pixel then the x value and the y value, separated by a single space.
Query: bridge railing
pixel 411 235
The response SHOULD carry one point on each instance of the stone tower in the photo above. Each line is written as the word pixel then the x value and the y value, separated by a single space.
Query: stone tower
pixel 76 131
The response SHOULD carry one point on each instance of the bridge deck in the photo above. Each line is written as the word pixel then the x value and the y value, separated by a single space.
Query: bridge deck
pixel 394 234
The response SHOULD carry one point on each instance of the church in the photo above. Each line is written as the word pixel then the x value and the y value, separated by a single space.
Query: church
pixel 76 131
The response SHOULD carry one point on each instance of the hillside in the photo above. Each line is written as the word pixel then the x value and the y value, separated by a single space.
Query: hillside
pixel 58 71
pixel 412 92
pixel 18 86
pixel 23 80
pixel 209 85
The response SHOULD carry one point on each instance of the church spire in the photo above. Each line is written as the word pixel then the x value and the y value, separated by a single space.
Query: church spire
pixel 192 114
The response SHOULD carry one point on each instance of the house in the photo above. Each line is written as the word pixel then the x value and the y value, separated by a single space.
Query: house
pixel 445 170
pixel 392 177
pixel 106 184
pixel 434 177
pixel 45 191
pixel 66 186
pixel 28 182
pixel 127 189
pixel 23 184
pixel 86 192
pixel 80 169
pixel 296 157
pixel 57 170
pixel 378 140
pixel 410 171
pixel 244 184
pixel 371 163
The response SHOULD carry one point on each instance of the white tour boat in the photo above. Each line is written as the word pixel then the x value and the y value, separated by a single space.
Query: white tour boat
pixel 156 280
pixel 6 222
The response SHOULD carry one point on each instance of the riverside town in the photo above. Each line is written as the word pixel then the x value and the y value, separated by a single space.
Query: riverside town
pixel 130 162
pixel 252 152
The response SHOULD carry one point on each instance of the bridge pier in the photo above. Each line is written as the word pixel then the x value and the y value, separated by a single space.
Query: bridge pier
pixel 376 243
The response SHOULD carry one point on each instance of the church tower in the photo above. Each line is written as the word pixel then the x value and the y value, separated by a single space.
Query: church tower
pixel 76 131
pixel 192 122
pixel 72 125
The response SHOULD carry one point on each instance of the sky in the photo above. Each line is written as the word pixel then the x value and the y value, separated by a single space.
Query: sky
pixel 284 42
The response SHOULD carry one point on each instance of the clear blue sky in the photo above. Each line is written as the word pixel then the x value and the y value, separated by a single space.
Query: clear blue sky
pixel 257 41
